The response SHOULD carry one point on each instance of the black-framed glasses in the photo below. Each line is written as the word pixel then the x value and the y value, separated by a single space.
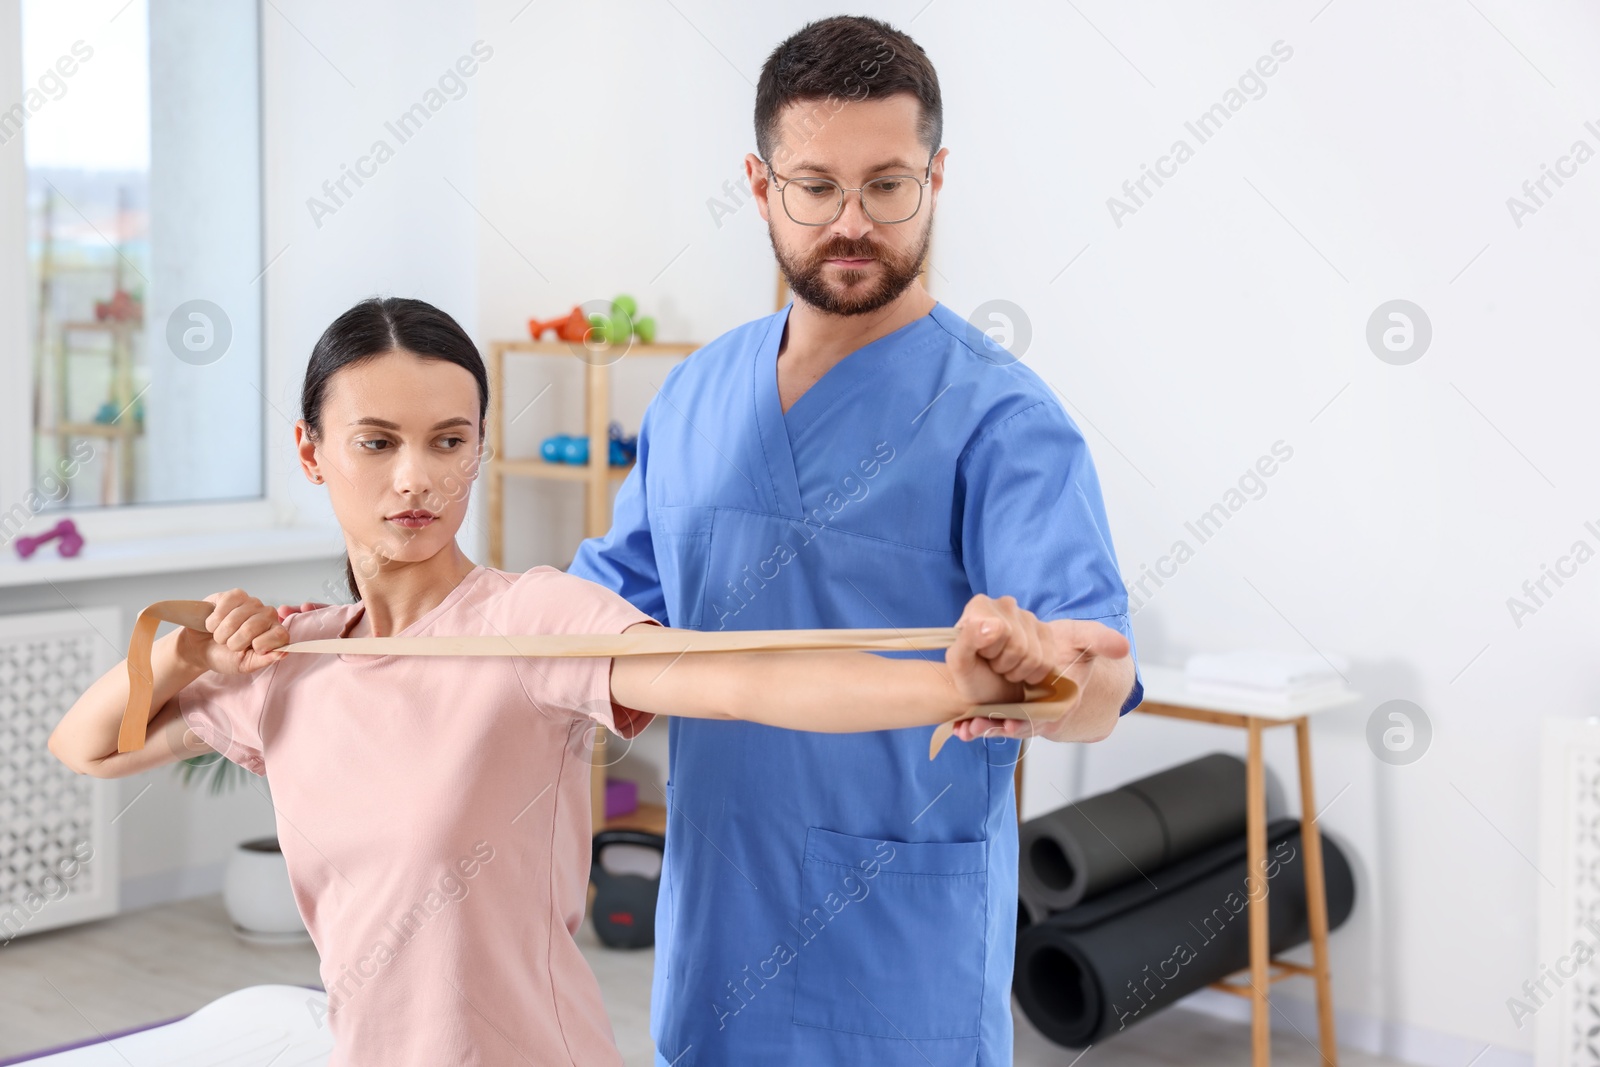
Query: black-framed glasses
pixel 890 199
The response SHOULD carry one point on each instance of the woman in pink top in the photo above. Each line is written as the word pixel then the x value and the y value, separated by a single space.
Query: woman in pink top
pixel 434 812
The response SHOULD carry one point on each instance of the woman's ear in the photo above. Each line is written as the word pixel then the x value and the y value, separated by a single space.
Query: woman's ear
pixel 306 449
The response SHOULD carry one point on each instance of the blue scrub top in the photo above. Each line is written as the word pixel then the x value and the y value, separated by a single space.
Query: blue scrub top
pixel 840 898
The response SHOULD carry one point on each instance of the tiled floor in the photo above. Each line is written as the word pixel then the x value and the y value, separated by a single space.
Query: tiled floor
pixel 67 985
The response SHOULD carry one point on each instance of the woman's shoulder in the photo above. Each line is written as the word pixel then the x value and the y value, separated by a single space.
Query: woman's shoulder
pixel 329 621
pixel 542 585
pixel 540 578
pixel 549 600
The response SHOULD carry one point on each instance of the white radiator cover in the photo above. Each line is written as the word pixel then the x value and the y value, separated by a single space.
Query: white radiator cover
pixel 58 846
pixel 1568 1019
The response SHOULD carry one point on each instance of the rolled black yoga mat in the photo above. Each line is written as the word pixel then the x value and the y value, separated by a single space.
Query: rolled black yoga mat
pixel 1087 848
pixel 1088 972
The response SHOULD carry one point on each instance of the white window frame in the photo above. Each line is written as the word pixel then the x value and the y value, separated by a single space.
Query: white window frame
pixel 159 524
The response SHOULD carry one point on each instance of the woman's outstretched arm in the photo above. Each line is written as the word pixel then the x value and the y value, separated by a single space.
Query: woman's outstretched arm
pixel 998 648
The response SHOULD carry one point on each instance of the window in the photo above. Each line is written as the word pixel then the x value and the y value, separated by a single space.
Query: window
pixel 140 134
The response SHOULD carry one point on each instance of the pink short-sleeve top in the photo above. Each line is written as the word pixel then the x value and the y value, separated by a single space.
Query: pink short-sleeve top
pixel 434 814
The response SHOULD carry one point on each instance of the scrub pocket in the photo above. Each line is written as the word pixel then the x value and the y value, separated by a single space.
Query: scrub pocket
pixel 681 536
pixel 898 953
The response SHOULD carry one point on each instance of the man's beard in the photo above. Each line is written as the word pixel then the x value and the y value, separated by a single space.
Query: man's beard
pixel 806 279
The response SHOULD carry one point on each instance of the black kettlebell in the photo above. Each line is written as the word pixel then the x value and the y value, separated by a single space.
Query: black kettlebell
pixel 625 904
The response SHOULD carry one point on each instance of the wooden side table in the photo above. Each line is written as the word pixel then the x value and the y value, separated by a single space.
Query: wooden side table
pixel 1167 694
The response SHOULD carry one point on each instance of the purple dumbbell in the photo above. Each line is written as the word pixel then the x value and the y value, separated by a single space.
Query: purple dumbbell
pixel 66 530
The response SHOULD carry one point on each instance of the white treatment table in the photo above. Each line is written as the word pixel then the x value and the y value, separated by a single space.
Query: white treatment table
pixel 249 1028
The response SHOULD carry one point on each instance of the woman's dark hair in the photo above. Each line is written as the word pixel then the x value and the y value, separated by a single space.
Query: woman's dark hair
pixel 835 60
pixel 376 327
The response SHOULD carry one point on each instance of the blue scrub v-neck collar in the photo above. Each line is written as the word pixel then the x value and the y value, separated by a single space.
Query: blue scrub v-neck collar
pixel 775 424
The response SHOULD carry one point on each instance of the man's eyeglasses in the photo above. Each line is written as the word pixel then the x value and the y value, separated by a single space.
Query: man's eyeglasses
pixel 890 199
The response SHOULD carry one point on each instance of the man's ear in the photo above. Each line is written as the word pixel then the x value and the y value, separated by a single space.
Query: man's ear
pixel 937 177
pixel 755 173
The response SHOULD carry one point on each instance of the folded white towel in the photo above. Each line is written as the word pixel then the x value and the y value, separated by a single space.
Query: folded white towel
pixel 1238 696
pixel 1266 671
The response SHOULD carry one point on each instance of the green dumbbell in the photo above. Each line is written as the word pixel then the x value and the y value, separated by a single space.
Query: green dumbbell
pixel 611 329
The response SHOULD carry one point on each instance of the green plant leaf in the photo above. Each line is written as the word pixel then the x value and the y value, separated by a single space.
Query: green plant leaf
pixel 219 774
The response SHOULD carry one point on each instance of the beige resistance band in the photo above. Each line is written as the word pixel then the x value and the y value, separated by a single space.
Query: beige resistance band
pixel 1044 702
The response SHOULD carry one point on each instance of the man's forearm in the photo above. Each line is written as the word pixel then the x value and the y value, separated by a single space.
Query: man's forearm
pixel 1100 704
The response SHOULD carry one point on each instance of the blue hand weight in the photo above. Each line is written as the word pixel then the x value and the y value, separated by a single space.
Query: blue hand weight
pixel 551 449
pixel 575 450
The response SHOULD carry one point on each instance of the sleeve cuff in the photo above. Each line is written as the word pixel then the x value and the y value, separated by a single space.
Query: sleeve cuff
pixel 1136 695
pixel 627 723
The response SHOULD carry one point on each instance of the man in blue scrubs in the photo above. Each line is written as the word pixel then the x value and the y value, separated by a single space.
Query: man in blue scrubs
pixel 862 458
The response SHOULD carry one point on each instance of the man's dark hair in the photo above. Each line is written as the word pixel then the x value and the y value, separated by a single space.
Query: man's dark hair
pixel 840 59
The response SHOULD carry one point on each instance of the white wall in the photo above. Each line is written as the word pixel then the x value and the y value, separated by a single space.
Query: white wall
pixel 335 74
pixel 1228 313
pixel 595 168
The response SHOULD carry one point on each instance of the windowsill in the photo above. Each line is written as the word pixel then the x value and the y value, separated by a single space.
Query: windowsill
pixel 165 555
